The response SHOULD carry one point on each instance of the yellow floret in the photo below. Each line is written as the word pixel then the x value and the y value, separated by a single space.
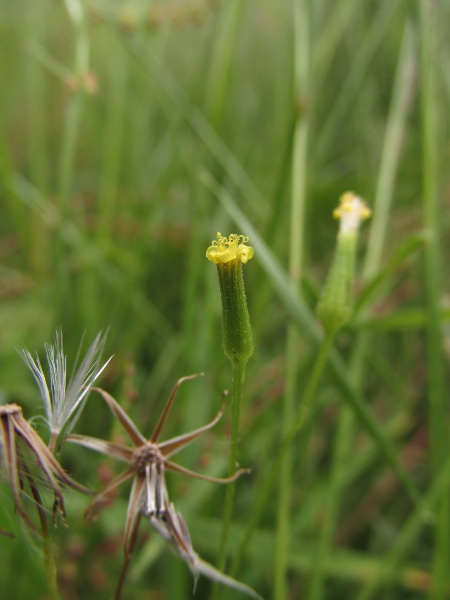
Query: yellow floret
pixel 229 248
pixel 352 211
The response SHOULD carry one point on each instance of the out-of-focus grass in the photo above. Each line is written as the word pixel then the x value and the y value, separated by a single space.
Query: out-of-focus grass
pixel 132 133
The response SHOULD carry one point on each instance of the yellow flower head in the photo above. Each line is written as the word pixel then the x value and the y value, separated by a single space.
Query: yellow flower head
pixel 352 211
pixel 225 249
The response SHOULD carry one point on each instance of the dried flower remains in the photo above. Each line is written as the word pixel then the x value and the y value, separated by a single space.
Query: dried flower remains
pixel 15 430
pixel 147 461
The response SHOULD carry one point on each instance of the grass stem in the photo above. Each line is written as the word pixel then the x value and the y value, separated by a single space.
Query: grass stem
pixel 298 203
pixel 437 394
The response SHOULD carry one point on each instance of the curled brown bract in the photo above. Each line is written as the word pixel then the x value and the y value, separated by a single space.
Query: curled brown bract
pixel 14 428
pixel 147 460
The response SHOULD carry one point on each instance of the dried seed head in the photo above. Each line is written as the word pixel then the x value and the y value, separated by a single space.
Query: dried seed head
pixel 14 428
pixel 148 461
pixel 144 455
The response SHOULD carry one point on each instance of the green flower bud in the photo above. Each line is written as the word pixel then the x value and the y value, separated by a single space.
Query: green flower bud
pixel 229 254
pixel 335 305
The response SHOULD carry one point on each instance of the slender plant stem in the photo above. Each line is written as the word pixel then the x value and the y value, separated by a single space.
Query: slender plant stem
pixel 311 389
pixel 221 60
pixel 438 420
pixel 238 384
pixel 285 472
pixel 50 566
pixel 402 94
pixel 47 547
pixel 297 219
pixel 438 407
pixel 38 23
pixel 76 12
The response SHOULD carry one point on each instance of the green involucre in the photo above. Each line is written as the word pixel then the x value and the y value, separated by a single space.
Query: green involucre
pixel 237 331
pixel 335 305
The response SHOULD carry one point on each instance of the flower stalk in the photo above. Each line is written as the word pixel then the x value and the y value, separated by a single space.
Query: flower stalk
pixel 229 254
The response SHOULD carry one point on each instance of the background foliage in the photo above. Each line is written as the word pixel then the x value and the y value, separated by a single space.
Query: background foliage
pixel 131 133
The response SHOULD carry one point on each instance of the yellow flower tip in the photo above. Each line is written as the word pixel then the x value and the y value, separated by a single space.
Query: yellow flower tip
pixel 229 248
pixel 352 211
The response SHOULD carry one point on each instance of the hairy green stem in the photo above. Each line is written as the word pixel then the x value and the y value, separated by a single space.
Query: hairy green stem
pixel 238 384
pixel 47 547
pixel 50 568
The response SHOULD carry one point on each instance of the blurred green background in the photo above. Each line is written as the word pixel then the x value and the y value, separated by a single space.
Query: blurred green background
pixel 131 132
